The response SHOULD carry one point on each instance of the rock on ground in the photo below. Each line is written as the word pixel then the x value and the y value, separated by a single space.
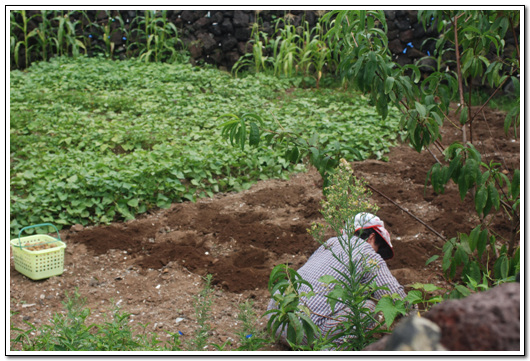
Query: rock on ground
pixel 485 321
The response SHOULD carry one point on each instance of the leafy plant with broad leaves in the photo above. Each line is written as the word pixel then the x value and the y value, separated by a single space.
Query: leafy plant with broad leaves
pixel 471 35
pixel 393 306
pixel 290 314
pixel 250 128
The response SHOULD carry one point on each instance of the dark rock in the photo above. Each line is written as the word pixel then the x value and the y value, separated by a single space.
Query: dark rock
pixel 242 33
pixel 418 31
pixel 226 26
pixel 390 15
pixel 231 58
pixel 402 24
pixel 215 29
pixel 117 38
pixel 267 28
pixel 216 56
pixel 413 16
pixel 201 23
pixel 207 42
pixel 485 321
pixel 228 43
pixel 311 18
pixel 244 47
pixel 415 53
pixel 406 35
pixel 393 34
pixel 401 14
pixel 402 59
pixel 395 46
pixel 189 16
pixel 217 17
pixel 240 19
pixel 195 49
pixel 102 15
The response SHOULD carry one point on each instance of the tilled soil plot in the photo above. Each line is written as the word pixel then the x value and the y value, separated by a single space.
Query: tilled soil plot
pixel 152 267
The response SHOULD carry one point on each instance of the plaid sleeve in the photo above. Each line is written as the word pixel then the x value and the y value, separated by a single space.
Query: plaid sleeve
pixel 383 278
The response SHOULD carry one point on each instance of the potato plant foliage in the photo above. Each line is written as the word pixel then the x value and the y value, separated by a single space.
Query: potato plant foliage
pixel 93 140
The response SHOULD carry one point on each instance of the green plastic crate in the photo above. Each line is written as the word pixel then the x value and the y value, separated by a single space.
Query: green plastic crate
pixel 39 264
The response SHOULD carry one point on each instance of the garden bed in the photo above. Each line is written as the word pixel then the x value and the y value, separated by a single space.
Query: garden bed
pixel 152 266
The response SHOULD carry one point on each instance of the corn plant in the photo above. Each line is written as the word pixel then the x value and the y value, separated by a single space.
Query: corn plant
pixel 43 35
pixel 67 39
pixel 257 58
pixel 156 38
pixel 285 49
pixel 16 45
pixel 315 53
pixel 291 50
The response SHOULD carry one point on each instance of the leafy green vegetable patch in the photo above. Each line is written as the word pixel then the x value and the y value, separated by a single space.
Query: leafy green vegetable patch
pixel 93 140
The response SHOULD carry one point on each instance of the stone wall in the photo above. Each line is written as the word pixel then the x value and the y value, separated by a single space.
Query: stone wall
pixel 220 37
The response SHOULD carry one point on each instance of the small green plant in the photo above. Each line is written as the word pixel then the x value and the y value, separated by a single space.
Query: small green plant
pixel 424 296
pixel 69 332
pixel 251 336
pixel 203 307
pixel 419 299
pixel 290 313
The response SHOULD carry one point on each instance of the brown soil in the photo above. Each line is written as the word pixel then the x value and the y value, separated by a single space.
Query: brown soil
pixel 152 266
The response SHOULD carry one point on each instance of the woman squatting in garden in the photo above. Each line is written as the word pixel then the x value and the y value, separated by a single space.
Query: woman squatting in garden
pixel 370 247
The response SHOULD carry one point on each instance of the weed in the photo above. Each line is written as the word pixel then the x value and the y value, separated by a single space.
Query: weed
pixel 203 307
pixel 69 332
pixel 251 336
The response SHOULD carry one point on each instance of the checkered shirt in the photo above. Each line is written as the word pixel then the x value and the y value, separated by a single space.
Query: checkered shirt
pixel 322 262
